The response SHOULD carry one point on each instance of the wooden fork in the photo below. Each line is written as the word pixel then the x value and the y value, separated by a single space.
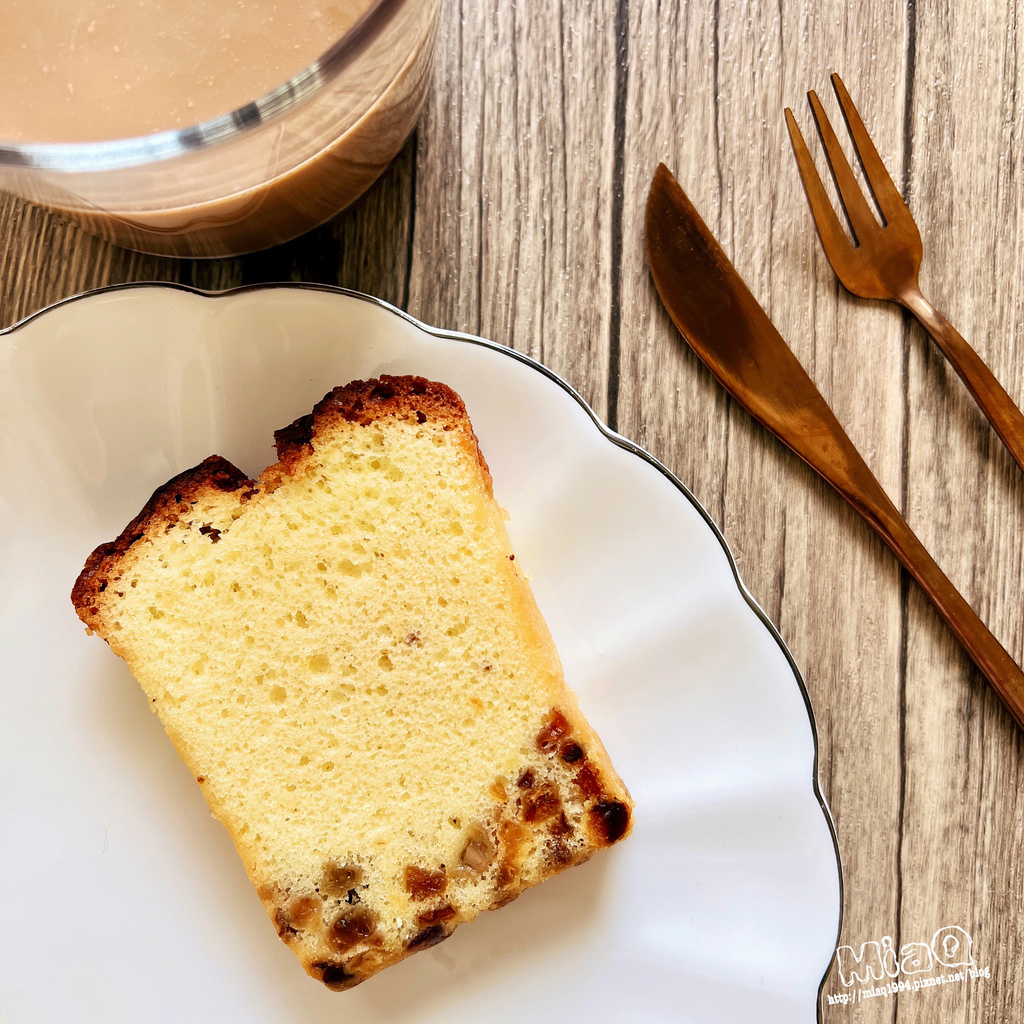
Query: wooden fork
pixel 884 263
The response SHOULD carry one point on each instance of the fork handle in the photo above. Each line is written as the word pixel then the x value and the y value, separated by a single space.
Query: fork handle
pixel 995 403
pixel 860 488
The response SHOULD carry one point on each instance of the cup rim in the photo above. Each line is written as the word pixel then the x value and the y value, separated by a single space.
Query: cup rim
pixel 138 150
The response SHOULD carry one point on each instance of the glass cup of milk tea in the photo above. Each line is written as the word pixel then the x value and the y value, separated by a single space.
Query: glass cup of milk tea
pixel 207 127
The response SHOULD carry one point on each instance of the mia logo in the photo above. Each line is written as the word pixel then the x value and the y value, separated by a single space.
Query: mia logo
pixel 950 947
pixel 880 970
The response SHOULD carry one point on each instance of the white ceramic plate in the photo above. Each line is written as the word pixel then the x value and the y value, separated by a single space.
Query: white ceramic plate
pixel 124 901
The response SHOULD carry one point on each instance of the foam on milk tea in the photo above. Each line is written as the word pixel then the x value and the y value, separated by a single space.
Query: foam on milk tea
pixel 87 70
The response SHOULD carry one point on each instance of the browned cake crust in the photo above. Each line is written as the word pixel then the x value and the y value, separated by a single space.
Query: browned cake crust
pixel 163 509
pixel 564 803
pixel 361 401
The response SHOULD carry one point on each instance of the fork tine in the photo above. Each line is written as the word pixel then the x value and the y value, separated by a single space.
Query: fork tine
pixel 829 229
pixel 862 220
pixel 890 202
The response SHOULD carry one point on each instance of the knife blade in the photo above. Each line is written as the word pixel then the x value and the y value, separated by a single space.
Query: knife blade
pixel 726 327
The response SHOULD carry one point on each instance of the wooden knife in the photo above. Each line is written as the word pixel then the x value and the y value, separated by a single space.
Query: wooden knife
pixel 724 324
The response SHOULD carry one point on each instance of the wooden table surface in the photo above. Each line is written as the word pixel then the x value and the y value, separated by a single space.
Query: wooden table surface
pixel 515 212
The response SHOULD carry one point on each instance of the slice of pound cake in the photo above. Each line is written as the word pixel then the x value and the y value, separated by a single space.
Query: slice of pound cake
pixel 349 659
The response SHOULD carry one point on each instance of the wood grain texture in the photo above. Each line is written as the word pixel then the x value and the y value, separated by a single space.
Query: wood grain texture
pixel 965 496
pixel 515 211
pixel 829 584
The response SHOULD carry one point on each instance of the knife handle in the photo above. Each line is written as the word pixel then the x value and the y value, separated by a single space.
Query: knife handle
pixel 860 488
